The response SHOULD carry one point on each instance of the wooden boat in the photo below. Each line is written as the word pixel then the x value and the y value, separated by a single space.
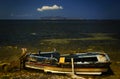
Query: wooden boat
pixel 79 63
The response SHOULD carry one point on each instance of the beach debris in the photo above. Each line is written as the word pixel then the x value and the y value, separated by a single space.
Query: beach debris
pixel 74 76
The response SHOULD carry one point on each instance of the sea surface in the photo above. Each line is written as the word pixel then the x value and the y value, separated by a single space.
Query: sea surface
pixel 20 31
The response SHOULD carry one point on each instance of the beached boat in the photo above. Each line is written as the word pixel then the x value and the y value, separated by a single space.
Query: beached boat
pixel 79 63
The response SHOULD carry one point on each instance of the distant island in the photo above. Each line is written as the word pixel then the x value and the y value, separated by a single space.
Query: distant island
pixel 57 18
pixel 53 18
pixel 66 18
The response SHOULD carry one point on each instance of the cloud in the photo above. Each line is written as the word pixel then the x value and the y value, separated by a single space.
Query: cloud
pixel 54 7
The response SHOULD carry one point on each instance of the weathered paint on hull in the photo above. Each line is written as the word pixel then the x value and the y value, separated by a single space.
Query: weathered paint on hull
pixel 55 69
pixel 76 70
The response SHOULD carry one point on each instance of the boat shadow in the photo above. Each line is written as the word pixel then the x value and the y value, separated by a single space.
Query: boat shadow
pixel 108 73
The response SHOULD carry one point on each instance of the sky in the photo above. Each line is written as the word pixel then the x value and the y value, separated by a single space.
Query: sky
pixel 80 9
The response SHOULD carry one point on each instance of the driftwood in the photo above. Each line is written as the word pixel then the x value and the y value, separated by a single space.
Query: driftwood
pixel 72 74
pixel 22 58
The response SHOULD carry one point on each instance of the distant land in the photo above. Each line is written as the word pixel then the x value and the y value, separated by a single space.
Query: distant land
pixel 55 18
pixel 66 18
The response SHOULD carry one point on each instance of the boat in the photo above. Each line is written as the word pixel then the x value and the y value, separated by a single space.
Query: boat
pixel 94 63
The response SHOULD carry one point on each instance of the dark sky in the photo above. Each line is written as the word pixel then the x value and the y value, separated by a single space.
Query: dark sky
pixel 81 9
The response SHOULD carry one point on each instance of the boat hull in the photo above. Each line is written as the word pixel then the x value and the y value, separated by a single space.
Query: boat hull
pixel 81 69
pixel 80 63
pixel 94 71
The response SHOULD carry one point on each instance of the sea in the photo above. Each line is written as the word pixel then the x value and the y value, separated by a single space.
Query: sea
pixel 21 31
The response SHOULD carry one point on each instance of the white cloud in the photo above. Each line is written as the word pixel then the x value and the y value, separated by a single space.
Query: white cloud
pixel 54 7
